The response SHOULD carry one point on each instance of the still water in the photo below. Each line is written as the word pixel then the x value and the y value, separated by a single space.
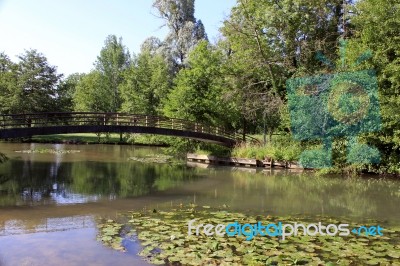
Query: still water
pixel 50 203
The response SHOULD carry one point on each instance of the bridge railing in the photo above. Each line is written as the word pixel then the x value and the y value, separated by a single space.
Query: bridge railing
pixel 111 119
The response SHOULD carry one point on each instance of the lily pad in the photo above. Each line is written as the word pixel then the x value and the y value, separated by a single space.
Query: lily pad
pixel 165 240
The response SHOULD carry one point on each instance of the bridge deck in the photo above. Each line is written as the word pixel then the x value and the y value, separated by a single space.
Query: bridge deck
pixel 27 125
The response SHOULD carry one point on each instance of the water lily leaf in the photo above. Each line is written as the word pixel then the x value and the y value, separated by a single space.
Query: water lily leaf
pixel 166 241
pixel 394 254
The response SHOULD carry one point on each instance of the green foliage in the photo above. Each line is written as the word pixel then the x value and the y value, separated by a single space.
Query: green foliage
pixel 363 154
pixel 179 146
pixel 212 149
pixel 92 94
pixel 316 158
pixel 8 85
pixel 146 84
pixel 268 42
pixel 114 58
pixel 198 94
pixel 146 139
pixel 29 86
pixel 66 91
pixel 377 29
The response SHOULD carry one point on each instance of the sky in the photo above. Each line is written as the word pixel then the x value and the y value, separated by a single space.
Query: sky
pixel 71 33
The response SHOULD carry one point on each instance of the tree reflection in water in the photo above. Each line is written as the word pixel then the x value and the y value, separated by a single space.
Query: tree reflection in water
pixel 37 183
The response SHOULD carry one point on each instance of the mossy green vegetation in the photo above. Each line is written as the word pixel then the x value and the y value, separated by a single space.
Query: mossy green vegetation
pixel 165 240
pixel 156 158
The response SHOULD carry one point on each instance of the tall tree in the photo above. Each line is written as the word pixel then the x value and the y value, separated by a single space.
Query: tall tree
pixel 270 41
pixel 92 95
pixel 198 92
pixel 146 83
pixel 31 85
pixel 66 91
pixel 8 85
pixel 184 30
pixel 114 58
pixel 377 29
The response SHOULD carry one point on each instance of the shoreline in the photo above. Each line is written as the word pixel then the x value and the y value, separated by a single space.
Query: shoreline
pixel 233 161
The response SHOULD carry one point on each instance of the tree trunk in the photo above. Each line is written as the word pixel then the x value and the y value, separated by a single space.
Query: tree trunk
pixel 244 128
pixel 265 131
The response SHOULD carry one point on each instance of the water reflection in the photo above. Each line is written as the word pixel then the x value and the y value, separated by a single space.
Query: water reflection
pixel 28 182
pixel 305 193
pixel 283 193
pixel 13 227
pixel 74 248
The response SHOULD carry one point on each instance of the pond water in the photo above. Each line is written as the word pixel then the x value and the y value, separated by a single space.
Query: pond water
pixel 51 203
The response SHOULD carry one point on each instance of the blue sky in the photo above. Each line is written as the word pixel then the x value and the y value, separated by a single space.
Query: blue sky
pixel 71 33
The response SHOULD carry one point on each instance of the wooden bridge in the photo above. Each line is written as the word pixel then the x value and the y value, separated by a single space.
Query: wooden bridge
pixel 27 125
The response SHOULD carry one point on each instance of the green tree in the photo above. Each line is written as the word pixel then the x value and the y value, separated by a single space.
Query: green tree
pixel 268 42
pixel 198 92
pixel 114 58
pixel 377 28
pixel 66 91
pixel 92 95
pixel 8 85
pixel 146 83
pixel 29 86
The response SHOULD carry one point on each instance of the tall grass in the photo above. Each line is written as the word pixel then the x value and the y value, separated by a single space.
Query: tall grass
pixel 279 150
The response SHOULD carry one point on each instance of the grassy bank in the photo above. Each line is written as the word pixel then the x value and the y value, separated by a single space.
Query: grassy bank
pixel 281 148
pixel 275 151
